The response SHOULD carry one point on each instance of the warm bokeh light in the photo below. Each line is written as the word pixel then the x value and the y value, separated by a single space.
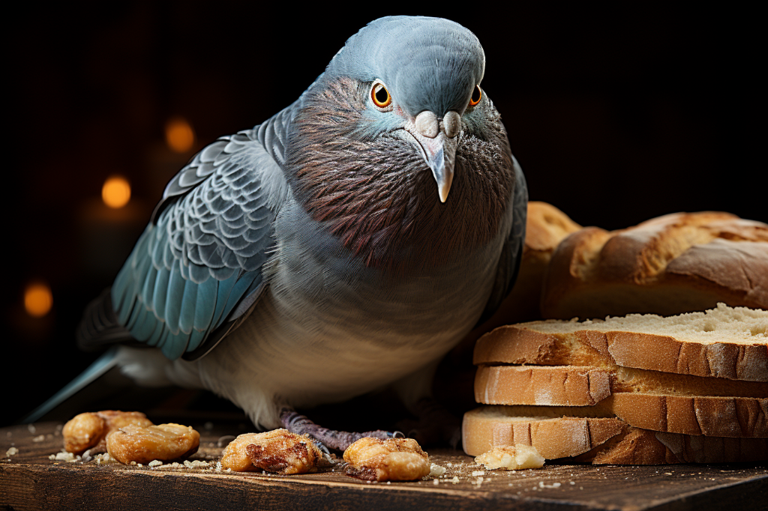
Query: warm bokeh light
pixel 38 299
pixel 116 192
pixel 179 135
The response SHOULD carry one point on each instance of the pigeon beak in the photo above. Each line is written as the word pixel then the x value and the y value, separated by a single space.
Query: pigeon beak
pixel 440 157
pixel 438 146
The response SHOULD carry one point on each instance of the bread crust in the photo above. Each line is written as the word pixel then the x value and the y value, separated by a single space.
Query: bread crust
pixel 553 437
pixel 586 385
pixel 668 265
pixel 612 441
pixel 734 417
pixel 524 344
pixel 642 447
pixel 531 385
pixel 689 415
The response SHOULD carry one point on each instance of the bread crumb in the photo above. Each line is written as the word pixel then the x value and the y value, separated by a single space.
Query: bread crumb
pixel 455 480
pixel 436 470
pixel 39 438
pixel 154 463
pixel 195 464
pixel 478 473
pixel 511 457
pixel 65 456
pixel 104 458
pixel 31 428
pixel 173 465
pixel 11 452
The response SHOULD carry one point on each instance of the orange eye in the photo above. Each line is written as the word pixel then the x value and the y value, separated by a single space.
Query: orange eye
pixel 380 95
pixel 477 95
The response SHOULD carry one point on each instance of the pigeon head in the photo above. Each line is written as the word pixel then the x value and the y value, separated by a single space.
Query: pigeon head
pixel 399 110
pixel 426 64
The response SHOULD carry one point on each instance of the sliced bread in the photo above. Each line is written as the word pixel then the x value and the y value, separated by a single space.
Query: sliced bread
pixel 577 433
pixel 726 416
pixel 724 342
pixel 586 386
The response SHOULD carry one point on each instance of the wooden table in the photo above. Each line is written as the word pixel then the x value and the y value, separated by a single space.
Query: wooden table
pixel 31 480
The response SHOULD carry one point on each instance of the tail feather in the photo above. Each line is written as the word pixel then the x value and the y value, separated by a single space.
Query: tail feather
pixel 101 366
pixel 100 325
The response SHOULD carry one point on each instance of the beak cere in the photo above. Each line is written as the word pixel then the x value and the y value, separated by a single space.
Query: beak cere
pixel 439 145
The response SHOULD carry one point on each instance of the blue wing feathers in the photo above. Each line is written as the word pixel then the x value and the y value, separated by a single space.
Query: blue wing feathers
pixel 189 304
pixel 174 299
pixel 222 295
pixel 195 340
pixel 145 324
pixel 157 332
pixel 149 287
pixel 205 304
pixel 198 264
pixel 160 293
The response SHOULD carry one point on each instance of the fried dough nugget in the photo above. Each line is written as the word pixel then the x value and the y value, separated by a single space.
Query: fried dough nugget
pixel 278 451
pixel 89 430
pixel 163 442
pixel 394 459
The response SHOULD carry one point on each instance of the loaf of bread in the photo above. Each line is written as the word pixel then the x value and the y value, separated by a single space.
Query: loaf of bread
pixel 676 263
pixel 724 342
pixel 583 435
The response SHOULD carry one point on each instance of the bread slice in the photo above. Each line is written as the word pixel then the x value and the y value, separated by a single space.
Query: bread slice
pixel 577 433
pixel 586 386
pixel 723 342
pixel 723 416
pixel 547 429
pixel 676 263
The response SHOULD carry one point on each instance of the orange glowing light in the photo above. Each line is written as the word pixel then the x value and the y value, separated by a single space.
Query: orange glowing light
pixel 179 135
pixel 116 192
pixel 38 299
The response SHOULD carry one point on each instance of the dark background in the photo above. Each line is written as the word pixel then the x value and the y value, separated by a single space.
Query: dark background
pixel 616 114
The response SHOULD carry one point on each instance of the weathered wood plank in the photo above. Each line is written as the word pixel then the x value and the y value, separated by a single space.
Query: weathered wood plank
pixel 30 480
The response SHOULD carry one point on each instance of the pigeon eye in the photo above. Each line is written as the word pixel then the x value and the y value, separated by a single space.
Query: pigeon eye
pixel 477 95
pixel 380 95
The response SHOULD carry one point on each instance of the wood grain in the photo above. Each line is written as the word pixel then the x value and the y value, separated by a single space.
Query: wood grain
pixel 30 480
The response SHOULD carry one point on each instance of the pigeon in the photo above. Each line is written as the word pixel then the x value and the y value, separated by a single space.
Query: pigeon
pixel 344 245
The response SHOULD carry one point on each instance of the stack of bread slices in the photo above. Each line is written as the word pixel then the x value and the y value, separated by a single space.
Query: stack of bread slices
pixel 638 389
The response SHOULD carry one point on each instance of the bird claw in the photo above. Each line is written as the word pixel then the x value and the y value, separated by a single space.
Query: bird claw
pixel 328 438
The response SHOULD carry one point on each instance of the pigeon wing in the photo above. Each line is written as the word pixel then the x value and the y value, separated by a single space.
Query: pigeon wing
pixel 197 268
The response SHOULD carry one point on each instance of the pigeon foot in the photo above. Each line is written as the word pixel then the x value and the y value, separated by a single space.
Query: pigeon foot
pixel 339 440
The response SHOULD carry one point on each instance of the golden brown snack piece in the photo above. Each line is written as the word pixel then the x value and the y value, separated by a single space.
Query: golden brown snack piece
pixel 164 442
pixel 89 430
pixel 511 457
pixel 394 459
pixel 277 451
